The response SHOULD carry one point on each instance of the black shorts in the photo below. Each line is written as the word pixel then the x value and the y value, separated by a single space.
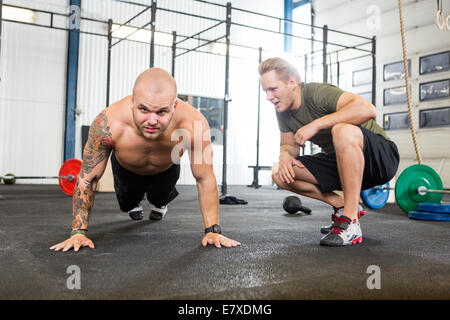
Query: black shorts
pixel 130 187
pixel 380 165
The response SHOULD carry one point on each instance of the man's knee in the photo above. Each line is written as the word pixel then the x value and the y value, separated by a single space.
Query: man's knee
pixel 346 134
pixel 275 168
pixel 275 177
pixel 343 129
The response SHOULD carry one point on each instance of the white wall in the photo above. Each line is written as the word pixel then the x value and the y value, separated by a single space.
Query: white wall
pixel 381 19
pixel 32 99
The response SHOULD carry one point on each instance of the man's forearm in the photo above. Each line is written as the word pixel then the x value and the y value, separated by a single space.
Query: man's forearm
pixel 82 203
pixel 208 197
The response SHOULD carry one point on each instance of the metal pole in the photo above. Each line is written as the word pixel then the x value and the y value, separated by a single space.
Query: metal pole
pixel 174 51
pixel 108 67
pixel 331 69
pixel 288 8
pixel 152 40
pixel 256 172
pixel 70 177
pixel 72 78
pixel 338 68
pixel 1 7
pixel 374 71
pixel 324 53
pixel 226 99
pixel 313 36
pixel 306 67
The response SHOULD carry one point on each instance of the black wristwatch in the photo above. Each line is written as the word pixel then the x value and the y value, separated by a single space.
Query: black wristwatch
pixel 214 228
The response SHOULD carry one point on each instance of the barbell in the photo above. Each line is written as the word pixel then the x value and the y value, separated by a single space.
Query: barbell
pixel 67 176
pixel 416 184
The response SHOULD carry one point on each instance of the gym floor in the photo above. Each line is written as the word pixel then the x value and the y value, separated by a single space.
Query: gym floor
pixel 280 256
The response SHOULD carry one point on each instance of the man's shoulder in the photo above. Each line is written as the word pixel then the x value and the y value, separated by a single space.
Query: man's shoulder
pixel 317 85
pixel 114 118
pixel 184 106
pixel 119 110
pixel 318 93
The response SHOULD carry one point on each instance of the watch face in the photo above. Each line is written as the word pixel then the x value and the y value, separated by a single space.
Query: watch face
pixel 216 229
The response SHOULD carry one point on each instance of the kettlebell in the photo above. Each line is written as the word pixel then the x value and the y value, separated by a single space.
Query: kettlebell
pixel 293 204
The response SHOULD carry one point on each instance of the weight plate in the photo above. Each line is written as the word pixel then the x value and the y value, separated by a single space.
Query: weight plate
pixel 9 181
pixel 412 178
pixel 70 167
pixel 420 215
pixel 376 197
pixel 433 207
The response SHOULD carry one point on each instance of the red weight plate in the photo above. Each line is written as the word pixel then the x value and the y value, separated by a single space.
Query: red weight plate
pixel 70 167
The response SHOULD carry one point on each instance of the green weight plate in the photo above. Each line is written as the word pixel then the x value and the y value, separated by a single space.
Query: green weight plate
pixel 412 178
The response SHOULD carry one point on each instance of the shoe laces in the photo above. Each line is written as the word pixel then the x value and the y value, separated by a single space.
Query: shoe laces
pixel 334 215
pixel 336 229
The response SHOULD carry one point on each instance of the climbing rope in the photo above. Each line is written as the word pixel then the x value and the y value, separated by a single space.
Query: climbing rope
pixel 408 95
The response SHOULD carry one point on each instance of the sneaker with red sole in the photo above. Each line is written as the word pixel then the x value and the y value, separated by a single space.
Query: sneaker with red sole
pixel 345 232
pixel 337 213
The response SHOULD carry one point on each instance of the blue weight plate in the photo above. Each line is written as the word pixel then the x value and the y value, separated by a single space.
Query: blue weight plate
pixel 375 198
pixel 433 207
pixel 420 215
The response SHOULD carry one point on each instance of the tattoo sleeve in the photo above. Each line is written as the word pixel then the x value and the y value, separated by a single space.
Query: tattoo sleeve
pixel 96 154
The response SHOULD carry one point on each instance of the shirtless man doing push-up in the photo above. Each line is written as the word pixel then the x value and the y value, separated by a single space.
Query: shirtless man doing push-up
pixel 139 131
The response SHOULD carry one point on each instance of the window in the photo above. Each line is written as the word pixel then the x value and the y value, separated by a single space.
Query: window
pixel 431 118
pixel 435 90
pixel 396 121
pixel 395 95
pixel 212 110
pixel 435 63
pixel 362 77
pixel 395 71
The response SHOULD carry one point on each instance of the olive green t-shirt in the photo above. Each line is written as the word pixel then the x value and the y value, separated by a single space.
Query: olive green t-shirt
pixel 318 100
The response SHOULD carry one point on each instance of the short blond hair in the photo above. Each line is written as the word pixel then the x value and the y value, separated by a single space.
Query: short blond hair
pixel 282 68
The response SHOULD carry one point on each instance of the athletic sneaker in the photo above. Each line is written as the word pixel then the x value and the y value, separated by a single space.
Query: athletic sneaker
pixel 337 213
pixel 345 232
pixel 137 213
pixel 158 213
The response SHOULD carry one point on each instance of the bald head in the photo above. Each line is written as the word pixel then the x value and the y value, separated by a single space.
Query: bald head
pixel 156 83
pixel 154 102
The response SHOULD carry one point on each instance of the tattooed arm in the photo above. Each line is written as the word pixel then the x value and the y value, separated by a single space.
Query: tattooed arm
pixel 95 157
